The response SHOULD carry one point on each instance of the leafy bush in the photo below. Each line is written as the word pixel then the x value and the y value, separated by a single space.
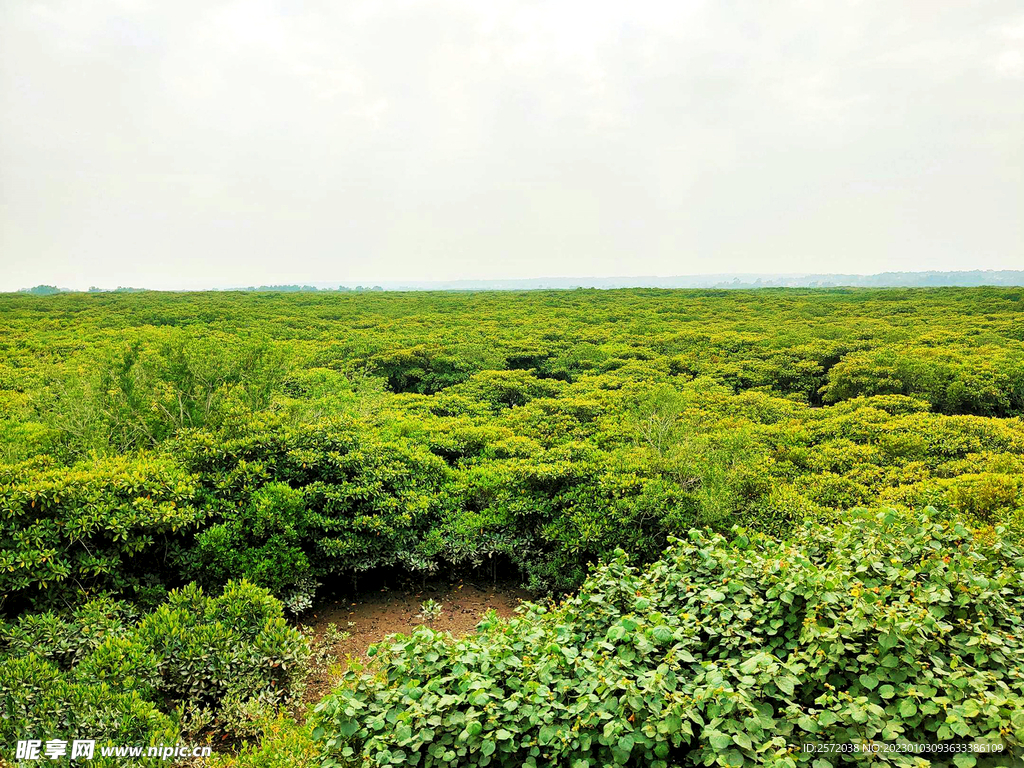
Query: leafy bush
pixel 732 652
pixel 300 597
pixel 94 526
pixel 197 658
pixel 213 647
pixel 332 498
pixel 40 701
pixel 505 389
pixel 262 541
pixel 420 369
pixel 986 495
pixel 985 381
pixel 66 641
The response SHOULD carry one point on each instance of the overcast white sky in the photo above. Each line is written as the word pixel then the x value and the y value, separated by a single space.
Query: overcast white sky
pixel 199 144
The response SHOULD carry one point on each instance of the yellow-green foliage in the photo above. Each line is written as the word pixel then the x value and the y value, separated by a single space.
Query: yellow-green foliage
pixel 282 744
pixel 152 439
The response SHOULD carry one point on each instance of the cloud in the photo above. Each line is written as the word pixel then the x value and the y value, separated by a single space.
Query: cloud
pixel 224 143
pixel 1010 63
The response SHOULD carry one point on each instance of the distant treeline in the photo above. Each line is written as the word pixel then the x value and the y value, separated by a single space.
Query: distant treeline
pixel 968 279
pixel 930 279
pixel 50 290
pixel 310 288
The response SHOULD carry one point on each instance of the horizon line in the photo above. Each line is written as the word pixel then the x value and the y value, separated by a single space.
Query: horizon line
pixel 1007 277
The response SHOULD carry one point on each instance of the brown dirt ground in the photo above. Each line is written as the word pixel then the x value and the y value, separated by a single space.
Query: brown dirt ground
pixel 372 616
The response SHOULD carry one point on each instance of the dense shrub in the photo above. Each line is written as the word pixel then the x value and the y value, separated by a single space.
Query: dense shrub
pixel 65 640
pixel 506 389
pixel 138 395
pixel 731 652
pixel 986 381
pixel 420 369
pixel 215 648
pixel 103 524
pixel 198 661
pixel 425 432
pixel 40 701
pixel 263 541
pixel 314 500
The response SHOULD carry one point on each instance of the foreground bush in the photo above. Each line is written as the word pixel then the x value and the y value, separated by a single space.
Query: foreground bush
pixel 733 653
pixel 197 662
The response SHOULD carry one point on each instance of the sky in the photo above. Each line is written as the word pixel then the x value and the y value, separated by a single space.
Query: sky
pixel 213 144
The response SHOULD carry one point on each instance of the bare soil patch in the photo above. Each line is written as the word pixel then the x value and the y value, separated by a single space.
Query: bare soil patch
pixel 373 615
